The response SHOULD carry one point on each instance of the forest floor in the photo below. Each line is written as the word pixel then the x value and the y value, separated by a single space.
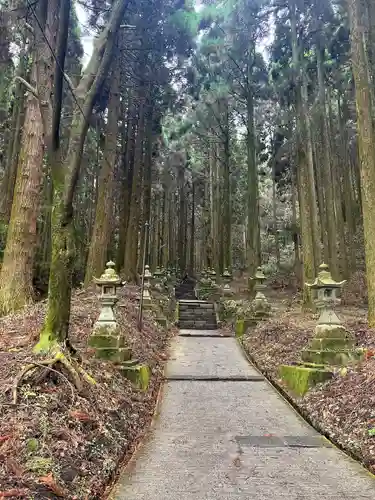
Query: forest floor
pixel 343 408
pixel 55 442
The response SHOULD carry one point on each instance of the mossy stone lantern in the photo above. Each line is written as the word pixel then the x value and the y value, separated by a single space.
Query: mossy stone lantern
pixel 325 290
pixel 157 279
pixel 108 283
pixel 260 304
pixel 332 343
pixel 213 275
pixel 106 337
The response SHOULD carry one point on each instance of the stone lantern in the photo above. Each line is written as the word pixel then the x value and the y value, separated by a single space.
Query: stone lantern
pixel 260 305
pixel 227 278
pixel 158 279
pixel 325 290
pixel 106 338
pixel 213 275
pixel 147 301
pixel 332 343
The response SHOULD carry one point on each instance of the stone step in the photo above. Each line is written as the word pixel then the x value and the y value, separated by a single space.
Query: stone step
pixel 190 314
pixel 198 328
pixel 197 325
pixel 194 304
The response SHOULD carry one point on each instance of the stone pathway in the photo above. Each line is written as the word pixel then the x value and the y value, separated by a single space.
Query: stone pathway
pixel 223 433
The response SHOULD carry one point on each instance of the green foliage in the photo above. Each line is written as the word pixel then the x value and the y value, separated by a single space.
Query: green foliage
pixel 185 21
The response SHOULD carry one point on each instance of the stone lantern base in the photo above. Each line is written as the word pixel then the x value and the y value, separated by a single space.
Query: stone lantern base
pixel 332 345
pixel 260 306
pixel 109 344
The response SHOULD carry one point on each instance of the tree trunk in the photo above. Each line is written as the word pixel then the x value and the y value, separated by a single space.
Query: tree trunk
pixel 366 147
pixel 305 170
pixel 127 181
pixel 101 234
pixel 253 245
pixel 327 170
pixel 18 114
pixel 132 237
pixel 147 181
pixel 16 288
pixel 181 220
pixel 56 325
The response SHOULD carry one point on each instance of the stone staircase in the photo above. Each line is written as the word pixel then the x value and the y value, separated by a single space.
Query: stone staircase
pixel 196 315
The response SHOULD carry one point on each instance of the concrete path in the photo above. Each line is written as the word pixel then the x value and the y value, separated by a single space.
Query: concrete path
pixel 223 433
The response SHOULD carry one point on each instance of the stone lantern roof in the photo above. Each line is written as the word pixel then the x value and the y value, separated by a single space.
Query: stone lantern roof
pixel 324 279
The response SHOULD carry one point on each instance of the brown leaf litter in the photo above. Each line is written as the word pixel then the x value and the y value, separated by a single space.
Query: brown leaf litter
pixel 56 443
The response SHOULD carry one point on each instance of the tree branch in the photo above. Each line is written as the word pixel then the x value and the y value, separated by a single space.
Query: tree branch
pixel 61 46
pixel 29 87
pixel 86 91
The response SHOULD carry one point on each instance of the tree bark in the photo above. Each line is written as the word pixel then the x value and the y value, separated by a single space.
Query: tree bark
pixel 366 147
pixel 56 325
pixel 16 289
pixel 100 238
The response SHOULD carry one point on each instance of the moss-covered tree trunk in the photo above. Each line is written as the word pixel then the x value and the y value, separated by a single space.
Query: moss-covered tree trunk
pixel 101 233
pixel 366 146
pixel 65 177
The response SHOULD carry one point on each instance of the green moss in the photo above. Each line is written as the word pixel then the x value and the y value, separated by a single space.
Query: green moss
pixel 241 327
pixel 331 343
pixel 114 354
pixel 138 374
pixel 301 378
pixel 162 321
pixel 32 445
pixel 332 357
pixel 40 465
pixel 103 340
pixel 332 331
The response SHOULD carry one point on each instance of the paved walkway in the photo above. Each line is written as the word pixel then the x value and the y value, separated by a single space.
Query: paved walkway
pixel 223 433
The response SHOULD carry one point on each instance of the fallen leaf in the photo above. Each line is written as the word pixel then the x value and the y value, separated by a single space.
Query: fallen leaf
pixel 52 485
pixel 80 415
pixel 13 494
pixel 5 438
pixel 14 467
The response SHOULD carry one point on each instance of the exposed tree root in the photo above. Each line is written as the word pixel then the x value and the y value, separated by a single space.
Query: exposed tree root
pixel 37 372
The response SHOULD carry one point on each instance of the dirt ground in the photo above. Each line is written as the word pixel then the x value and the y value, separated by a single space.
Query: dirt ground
pixel 56 442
